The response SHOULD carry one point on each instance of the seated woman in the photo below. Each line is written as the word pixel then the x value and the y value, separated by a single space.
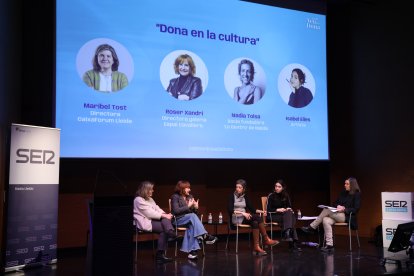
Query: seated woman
pixel 279 209
pixel 184 207
pixel 150 217
pixel 238 207
pixel 349 201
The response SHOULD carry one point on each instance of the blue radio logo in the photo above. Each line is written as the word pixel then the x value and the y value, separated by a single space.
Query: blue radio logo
pixel 396 206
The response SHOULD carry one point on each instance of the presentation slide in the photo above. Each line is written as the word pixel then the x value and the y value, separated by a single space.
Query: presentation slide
pixel 190 79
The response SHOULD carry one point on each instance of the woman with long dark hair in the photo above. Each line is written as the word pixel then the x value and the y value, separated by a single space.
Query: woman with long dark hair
pixel 279 208
pixel 349 201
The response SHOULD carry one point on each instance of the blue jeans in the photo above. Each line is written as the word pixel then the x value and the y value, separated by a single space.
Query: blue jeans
pixel 195 228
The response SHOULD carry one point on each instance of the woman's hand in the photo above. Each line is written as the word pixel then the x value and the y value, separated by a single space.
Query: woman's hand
pixel 190 202
pixel 183 97
pixel 281 210
pixel 340 208
pixel 167 216
pixel 292 89
pixel 195 203
pixel 247 216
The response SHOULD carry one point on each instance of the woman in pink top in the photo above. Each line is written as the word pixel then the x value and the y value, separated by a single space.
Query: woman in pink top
pixel 150 217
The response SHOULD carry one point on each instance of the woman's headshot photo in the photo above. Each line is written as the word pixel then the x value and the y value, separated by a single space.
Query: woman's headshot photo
pixel 248 85
pixel 300 83
pixel 189 78
pixel 105 75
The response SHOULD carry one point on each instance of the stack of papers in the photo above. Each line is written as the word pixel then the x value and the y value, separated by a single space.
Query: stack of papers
pixel 333 209
pixel 307 218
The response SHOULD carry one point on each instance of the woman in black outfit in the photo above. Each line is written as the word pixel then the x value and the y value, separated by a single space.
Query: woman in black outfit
pixel 348 202
pixel 279 210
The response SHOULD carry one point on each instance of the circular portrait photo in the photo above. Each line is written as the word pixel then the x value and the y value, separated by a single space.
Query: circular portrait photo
pixel 296 85
pixel 105 65
pixel 183 75
pixel 245 81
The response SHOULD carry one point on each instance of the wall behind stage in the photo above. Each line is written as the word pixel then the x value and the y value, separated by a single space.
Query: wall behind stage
pixel 370 63
pixel 370 113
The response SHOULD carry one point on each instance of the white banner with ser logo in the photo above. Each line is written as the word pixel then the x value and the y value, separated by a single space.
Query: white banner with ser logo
pixel 32 202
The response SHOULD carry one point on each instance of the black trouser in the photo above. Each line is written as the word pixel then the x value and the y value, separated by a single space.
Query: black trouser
pixel 162 227
pixel 253 221
pixel 287 220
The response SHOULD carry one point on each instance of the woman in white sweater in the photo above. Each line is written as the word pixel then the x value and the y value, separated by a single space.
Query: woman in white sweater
pixel 150 217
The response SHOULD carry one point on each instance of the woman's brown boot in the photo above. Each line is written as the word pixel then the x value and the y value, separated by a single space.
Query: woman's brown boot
pixel 266 240
pixel 257 250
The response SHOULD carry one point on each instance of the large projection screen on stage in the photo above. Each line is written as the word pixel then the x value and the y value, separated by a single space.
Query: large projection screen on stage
pixel 190 79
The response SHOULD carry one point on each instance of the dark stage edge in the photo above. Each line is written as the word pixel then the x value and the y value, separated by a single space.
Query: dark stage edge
pixel 218 261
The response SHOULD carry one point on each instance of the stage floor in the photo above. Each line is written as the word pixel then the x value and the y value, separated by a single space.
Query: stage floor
pixel 218 261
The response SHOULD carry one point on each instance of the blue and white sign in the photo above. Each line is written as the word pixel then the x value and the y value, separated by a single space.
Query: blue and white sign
pixel 397 206
pixel 32 203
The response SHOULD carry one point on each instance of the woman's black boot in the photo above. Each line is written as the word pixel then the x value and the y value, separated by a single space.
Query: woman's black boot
pixel 287 235
pixel 161 258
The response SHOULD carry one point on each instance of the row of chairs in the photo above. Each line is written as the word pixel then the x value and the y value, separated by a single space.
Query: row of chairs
pixel 236 227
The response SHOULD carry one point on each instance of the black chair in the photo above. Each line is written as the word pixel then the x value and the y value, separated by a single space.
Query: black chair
pixel 140 232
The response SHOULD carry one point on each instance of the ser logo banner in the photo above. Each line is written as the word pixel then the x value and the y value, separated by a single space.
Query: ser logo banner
pixel 35 156
pixel 396 206
pixel 389 233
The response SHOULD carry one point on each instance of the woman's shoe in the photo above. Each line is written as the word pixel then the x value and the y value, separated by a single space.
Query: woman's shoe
pixel 192 255
pixel 328 249
pixel 258 251
pixel 160 257
pixel 308 229
pixel 270 242
pixel 287 235
pixel 209 239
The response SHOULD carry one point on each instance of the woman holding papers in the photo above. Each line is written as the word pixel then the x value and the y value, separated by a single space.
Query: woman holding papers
pixel 348 202
pixel 279 209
